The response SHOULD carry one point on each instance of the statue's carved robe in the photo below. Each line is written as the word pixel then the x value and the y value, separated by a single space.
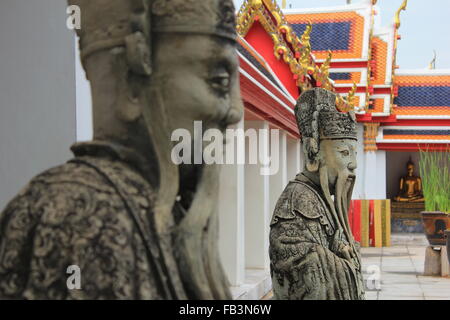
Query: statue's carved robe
pixel 94 212
pixel 305 259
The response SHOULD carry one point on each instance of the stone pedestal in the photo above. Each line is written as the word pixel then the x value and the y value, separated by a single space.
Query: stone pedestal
pixel 445 268
pixel 406 218
pixel 436 262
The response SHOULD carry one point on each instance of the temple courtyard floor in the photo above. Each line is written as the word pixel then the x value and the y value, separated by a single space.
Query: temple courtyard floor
pixel 399 269
pixel 391 273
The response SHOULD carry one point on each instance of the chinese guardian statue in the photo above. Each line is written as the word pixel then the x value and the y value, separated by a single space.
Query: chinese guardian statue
pixel 135 224
pixel 312 251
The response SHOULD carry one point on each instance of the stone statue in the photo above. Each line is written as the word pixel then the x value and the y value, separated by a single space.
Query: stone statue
pixel 121 213
pixel 410 189
pixel 312 250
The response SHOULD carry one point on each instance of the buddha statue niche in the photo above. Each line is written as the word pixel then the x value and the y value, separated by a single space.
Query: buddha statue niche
pixel 410 189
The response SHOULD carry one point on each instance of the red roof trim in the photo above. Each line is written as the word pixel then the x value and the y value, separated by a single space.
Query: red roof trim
pixel 413 146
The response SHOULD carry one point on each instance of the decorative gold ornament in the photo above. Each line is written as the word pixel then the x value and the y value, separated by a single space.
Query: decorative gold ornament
pixel 432 64
pixel 294 51
pixel 305 59
pixel 397 14
pixel 351 95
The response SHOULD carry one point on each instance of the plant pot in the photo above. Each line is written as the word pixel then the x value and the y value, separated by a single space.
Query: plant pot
pixel 435 224
pixel 447 234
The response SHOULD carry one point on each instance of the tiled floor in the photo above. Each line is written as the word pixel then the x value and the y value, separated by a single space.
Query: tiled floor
pixel 400 270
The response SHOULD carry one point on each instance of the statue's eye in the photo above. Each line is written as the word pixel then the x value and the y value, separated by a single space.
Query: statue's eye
pixel 221 82
pixel 220 79
pixel 345 153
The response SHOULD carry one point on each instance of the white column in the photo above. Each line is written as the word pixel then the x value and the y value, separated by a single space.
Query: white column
pixel 375 175
pixel 84 118
pixel 370 174
pixel 257 205
pixel 231 218
pixel 278 181
pixel 374 169
pixel 380 184
pixel 294 159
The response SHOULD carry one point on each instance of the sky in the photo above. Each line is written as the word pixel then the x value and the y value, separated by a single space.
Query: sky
pixel 425 26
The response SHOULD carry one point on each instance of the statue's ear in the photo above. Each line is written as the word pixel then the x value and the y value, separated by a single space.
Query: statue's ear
pixel 311 150
pixel 133 62
pixel 139 54
pixel 140 41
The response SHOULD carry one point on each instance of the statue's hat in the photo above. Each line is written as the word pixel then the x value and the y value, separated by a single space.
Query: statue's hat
pixel 106 23
pixel 318 117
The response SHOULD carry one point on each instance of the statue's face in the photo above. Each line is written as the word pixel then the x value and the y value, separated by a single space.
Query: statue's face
pixel 197 76
pixel 199 79
pixel 410 169
pixel 340 158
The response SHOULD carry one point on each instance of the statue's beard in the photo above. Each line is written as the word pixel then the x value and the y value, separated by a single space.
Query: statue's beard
pixel 191 236
pixel 342 191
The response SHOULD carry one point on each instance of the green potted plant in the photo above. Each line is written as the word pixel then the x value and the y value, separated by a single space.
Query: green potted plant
pixel 434 170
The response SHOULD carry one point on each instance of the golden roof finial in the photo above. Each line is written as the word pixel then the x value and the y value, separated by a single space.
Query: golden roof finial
pixel 341 104
pixel 306 36
pixel 348 104
pixel 325 68
pixel 351 95
pixel 256 3
pixel 283 4
pixel 305 59
pixel 397 14
pixel 432 65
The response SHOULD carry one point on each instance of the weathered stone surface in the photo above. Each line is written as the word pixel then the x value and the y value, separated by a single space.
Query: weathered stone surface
pixel 432 262
pixel 312 251
pixel 445 268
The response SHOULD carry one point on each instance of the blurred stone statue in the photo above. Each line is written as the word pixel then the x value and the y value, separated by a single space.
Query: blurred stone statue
pixel 312 250
pixel 410 188
pixel 134 224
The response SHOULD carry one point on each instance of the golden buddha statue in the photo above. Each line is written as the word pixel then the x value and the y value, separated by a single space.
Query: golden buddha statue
pixel 410 186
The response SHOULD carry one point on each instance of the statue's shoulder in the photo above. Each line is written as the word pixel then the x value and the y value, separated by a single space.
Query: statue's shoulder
pixel 72 215
pixel 299 198
pixel 79 188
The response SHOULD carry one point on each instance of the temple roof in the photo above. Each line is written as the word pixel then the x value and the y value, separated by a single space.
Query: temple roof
pixel 423 94
pixel 343 30
pixel 344 49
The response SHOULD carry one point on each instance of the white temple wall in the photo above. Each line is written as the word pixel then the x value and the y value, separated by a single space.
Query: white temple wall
pixel 257 206
pixel 370 173
pixel 37 90
pixel 83 100
pixel 278 181
pixel 232 218
pixel 295 161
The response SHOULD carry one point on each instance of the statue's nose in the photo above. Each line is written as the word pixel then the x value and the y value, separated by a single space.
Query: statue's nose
pixel 352 165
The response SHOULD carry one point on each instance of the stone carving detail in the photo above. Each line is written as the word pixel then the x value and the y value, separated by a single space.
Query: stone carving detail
pixel 201 16
pixel 312 251
pixel 135 224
